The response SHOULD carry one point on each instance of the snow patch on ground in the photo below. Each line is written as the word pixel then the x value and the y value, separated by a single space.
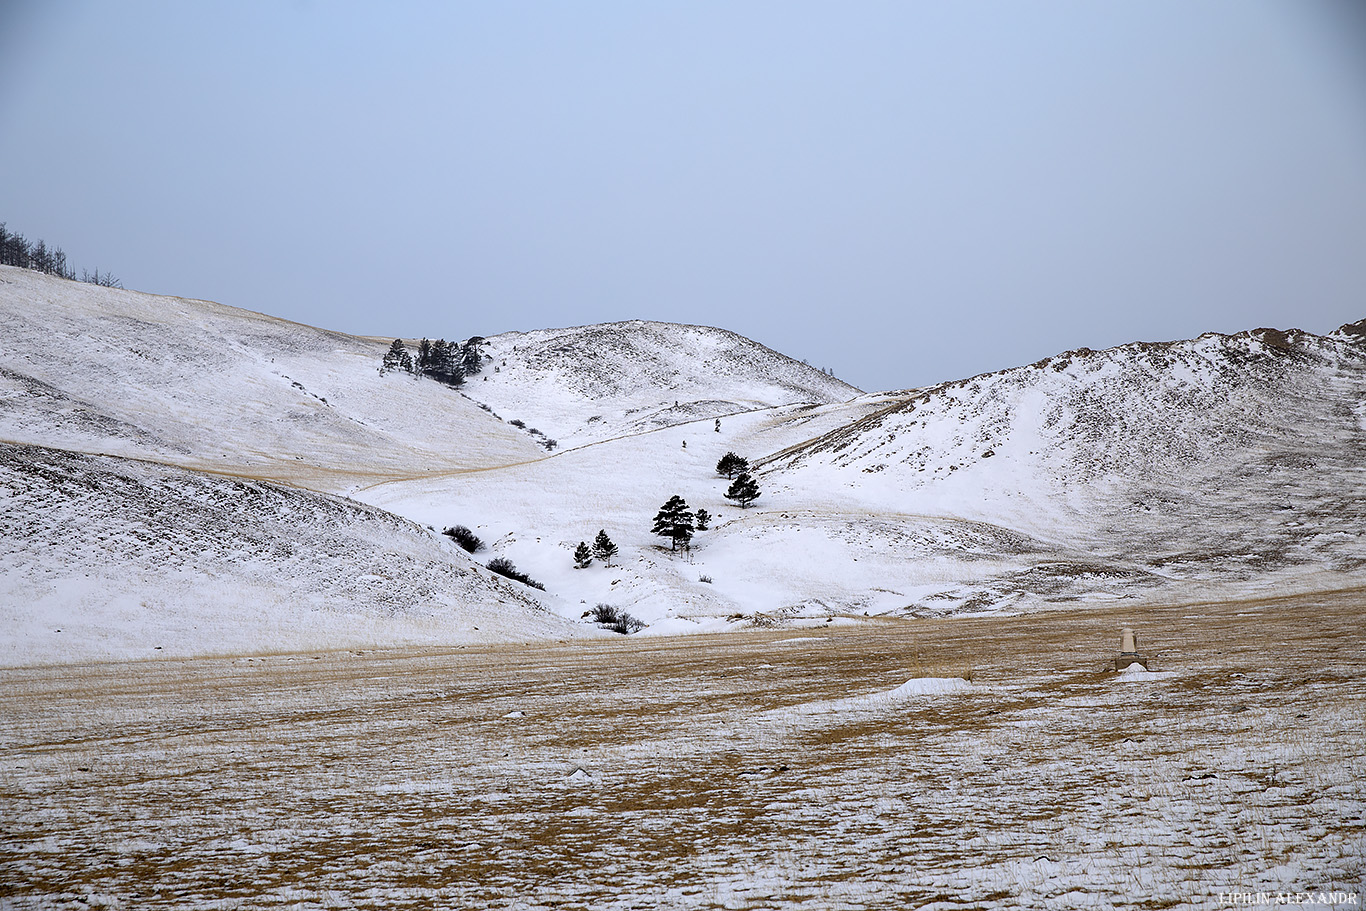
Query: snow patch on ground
pixel 911 690
pixel 1137 673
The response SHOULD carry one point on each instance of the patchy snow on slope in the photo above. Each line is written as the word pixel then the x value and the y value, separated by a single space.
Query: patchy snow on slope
pixel 591 383
pixel 109 558
pixel 1228 456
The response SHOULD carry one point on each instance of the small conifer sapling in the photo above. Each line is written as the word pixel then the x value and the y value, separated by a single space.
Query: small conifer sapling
pixel 583 556
pixel 603 548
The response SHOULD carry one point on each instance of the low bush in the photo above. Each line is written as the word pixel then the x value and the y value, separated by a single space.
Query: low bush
pixel 464 537
pixel 504 567
pixel 607 616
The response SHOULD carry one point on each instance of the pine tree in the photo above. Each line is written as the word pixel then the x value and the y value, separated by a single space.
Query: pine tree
pixel 675 522
pixel 58 265
pixel 732 464
pixel 39 258
pixel 703 517
pixel 14 248
pixel 424 355
pixel 397 358
pixel 603 548
pixel 444 363
pixel 470 361
pixel 583 556
pixel 436 359
pixel 743 490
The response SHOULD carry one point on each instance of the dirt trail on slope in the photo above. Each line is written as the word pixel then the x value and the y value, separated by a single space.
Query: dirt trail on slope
pixel 436 474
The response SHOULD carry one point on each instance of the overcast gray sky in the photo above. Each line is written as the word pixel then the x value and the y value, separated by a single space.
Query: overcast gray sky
pixel 905 192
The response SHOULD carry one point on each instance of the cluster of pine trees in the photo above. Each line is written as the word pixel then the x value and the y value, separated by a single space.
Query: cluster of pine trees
pixel 678 523
pixel 446 362
pixel 675 519
pixel 15 250
pixel 602 548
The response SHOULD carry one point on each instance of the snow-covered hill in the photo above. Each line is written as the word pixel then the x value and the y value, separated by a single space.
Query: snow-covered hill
pixel 593 383
pixel 202 385
pixel 1226 457
pixel 238 401
pixel 109 556
pixel 210 387
pixel 1186 469
pixel 1168 471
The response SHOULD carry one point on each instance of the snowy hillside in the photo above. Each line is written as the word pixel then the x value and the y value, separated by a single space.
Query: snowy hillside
pixel 202 385
pixel 1182 470
pixel 236 400
pixel 106 556
pixel 205 386
pixel 592 383
pixel 1227 464
pixel 1225 457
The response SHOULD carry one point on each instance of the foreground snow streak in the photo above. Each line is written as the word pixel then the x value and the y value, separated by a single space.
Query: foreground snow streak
pixel 759 770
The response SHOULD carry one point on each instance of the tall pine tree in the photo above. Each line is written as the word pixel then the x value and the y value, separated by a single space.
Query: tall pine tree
pixel 675 522
pixel 470 361
pixel 444 364
pixel 743 490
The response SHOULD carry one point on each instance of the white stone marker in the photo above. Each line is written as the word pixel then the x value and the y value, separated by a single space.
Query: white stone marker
pixel 1128 651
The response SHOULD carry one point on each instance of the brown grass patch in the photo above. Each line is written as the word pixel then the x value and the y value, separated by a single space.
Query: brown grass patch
pixel 716 771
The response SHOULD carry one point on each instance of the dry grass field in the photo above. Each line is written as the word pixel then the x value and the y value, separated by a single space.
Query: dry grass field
pixel 772 769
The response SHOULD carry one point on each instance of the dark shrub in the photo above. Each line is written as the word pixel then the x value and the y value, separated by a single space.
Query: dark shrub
pixel 464 537
pixel 618 621
pixel 503 567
